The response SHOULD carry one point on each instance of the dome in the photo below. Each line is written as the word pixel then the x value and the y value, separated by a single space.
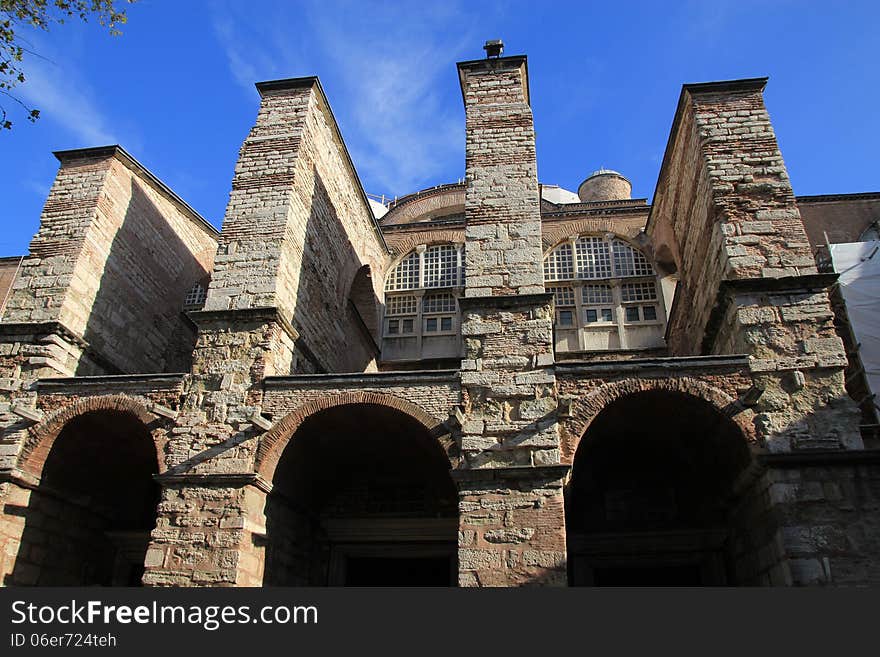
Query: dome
pixel 605 185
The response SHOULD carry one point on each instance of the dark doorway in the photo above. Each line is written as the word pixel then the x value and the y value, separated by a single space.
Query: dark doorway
pixel 362 496
pixel 89 521
pixel 653 498
pixel 688 575
pixel 390 571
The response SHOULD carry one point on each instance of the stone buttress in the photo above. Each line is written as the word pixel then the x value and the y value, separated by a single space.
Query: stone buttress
pixel 297 222
pixel 725 209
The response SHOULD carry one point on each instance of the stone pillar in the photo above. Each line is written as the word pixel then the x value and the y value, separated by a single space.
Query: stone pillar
pixel 510 482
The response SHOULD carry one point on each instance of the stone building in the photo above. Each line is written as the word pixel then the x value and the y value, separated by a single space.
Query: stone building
pixel 490 383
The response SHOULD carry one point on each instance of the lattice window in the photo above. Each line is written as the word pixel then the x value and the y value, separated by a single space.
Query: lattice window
pixel 630 262
pixel 595 294
pixel 441 266
pixel 438 303
pixel 401 305
pixel 593 258
pixel 563 296
pixel 559 265
pixel 196 295
pixel 645 291
pixel 405 275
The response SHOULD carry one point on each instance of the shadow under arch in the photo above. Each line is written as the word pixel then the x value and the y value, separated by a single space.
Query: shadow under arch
pixel 88 521
pixel 361 495
pixel 663 492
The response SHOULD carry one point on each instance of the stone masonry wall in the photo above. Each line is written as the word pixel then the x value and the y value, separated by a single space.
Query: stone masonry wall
pixel 297 227
pixel 725 208
pixel 112 262
pixel 502 206
pixel 724 205
pixel 512 524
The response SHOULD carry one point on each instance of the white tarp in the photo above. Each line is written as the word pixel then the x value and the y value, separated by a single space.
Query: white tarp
pixel 858 264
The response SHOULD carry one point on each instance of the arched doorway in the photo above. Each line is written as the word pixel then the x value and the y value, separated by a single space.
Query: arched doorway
pixel 656 497
pixel 362 496
pixel 88 522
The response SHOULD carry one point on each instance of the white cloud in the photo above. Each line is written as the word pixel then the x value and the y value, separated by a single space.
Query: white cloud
pixel 63 98
pixel 386 66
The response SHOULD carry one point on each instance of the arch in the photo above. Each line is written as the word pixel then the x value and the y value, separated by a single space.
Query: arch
pixel 558 234
pixel 662 491
pixel 42 436
pixel 402 244
pixel 362 296
pixel 588 407
pixel 278 437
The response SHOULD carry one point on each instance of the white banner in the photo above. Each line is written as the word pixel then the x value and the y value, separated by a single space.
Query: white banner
pixel 858 264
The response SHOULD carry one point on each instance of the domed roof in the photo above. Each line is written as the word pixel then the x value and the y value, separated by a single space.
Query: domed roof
pixel 606 172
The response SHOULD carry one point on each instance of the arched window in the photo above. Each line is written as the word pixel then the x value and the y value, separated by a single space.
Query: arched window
pixel 605 292
pixel 422 290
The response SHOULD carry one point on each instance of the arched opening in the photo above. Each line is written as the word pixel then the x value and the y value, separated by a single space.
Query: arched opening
pixel 88 523
pixel 657 497
pixel 362 496
pixel 363 300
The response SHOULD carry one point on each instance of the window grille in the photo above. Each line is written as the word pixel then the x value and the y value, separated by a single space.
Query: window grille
pixel 559 264
pixel 406 275
pixel 644 291
pixel 441 266
pixel 401 305
pixel 438 303
pixel 594 294
pixel 196 295
pixel 563 296
pixel 630 262
pixel 593 258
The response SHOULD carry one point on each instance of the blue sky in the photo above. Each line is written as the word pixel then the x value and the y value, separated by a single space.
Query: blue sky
pixel 176 89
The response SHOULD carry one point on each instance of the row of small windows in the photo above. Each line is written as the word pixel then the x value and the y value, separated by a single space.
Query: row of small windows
pixel 593 294
pixel 595 257
pixel 407 304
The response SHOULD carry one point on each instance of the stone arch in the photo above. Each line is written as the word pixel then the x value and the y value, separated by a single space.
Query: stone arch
pixel 403 244
pixel 588 407
pixel 42 436
pixel 274 441
pixel 556 235
pixel 362 295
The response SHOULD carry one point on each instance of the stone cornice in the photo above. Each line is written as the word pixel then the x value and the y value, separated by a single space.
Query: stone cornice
pixel 642 365
pixel 106 381
pixel 831 198
pixel 819 457
pixel 218 480
pixel 506 301
pixel 360 379
pixel 551 472
pixel 492 64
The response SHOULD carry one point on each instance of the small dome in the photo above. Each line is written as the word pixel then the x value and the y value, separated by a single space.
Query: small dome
pixel 605 185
